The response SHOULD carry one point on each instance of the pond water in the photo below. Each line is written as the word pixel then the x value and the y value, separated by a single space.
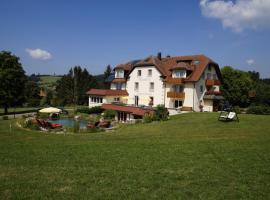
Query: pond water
pixel 68 122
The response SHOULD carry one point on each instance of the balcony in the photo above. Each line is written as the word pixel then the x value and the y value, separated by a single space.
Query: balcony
pixel 176 95
pixel 172 80
pixel 211 82
pixel 210 92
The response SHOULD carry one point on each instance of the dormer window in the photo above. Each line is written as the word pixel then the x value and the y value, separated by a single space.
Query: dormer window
pixel 179 74
pixel 119 73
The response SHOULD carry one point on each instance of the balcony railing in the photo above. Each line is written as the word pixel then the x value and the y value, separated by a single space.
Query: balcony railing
pixel 213 92
pixel 211 82
pixel 176 95
pixel 172 80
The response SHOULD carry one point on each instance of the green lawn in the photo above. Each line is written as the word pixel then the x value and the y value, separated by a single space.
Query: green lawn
pixel 191 156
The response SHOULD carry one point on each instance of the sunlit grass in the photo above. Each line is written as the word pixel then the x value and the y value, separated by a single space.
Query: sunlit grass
pixel 191 156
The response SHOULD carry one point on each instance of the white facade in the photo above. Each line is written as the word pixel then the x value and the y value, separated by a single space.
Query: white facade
pixel 146 86
pixel 149 85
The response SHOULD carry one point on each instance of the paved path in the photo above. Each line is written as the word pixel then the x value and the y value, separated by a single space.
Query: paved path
pixel 12 116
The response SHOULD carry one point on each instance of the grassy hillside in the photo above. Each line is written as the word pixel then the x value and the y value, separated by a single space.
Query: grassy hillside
pixel 48 81
pixel 191 156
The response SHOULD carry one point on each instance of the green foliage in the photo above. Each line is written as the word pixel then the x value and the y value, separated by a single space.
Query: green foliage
pixel 259 110
pixel 12 80
pixel 148 118
pixel 28 123
pixel 262 93
pixel 32 93
pixel 237 109
pixel 161 113
pixel 109 114
pixel 72 87
pixel 106 75
pixel 236 86
pixel 76 126
pixel 93 110
pixel 5 117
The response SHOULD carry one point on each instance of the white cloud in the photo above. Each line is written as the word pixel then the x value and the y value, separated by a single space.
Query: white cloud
pixel 250 61
pixel 238 15
pixel 39 54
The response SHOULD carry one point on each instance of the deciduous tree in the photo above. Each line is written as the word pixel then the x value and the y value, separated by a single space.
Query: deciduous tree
pixel 12 80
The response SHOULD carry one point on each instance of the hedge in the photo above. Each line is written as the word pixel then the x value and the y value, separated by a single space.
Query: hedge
pixel 259 110
pixel 93 110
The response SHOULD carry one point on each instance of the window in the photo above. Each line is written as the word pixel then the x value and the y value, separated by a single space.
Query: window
pixel 117 99
pixel 136 86
pixel 139 73
pixel 119 73
pixel 178 88
pixel 97 99
pixel 136 100
pixel 151 86
pixel 178 103
pixel 149 72
pixel 180 73
pixel 196 62
pixel 214 76
pixel 209 76
pixel 151 101
pixel 209 68
pixel 119 86
pixel 201 88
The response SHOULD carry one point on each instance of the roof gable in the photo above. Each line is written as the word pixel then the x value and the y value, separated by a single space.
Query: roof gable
pixel 194 63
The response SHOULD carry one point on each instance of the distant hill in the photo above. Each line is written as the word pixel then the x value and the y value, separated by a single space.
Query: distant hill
pixel 48 81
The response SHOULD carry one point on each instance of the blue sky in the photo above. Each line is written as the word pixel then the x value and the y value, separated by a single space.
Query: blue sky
pixel 93 34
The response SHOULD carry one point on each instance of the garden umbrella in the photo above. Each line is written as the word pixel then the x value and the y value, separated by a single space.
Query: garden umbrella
pixel 50 110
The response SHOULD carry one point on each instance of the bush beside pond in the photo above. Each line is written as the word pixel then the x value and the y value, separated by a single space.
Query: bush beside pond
pixel 93 110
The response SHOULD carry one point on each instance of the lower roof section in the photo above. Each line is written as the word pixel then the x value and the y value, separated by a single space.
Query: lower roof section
pixel 128 109
pixel 101 92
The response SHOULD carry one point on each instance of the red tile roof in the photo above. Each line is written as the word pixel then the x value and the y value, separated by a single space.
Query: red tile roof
pixel 128 109
pixel 101 92
pixel 194 63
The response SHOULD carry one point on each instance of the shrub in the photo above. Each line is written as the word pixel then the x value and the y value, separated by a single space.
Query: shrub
pixel 93 110
pixel 5 117
pixel 161 113
pixel 76 126
pixel 147 118
pixel 109 114
pixel 24 116
pixel 259 110
pixel 237 109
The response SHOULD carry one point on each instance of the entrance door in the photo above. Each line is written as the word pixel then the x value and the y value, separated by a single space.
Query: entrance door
pixel 136 100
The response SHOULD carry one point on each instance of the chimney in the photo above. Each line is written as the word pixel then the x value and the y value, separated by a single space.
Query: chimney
pixel 159 55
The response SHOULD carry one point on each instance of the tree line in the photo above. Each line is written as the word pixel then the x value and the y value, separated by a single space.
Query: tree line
pixel 18 89
pixel 240 88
